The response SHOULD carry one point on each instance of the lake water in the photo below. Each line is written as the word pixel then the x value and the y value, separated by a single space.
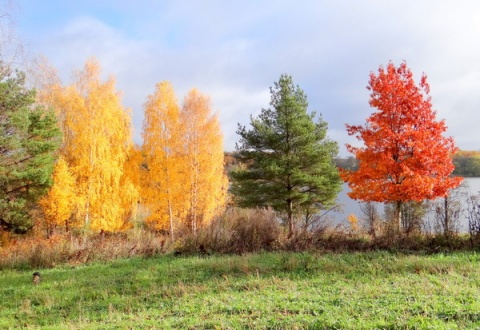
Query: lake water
pixel 470 186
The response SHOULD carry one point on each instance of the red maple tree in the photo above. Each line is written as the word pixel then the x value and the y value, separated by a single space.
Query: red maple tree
pixel 405 157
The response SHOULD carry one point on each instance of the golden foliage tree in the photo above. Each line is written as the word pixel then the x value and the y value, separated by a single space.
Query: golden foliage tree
pixel 58 205
pixel 162 189
pixel 184 180
pixel 133 167
pixel 97 140
pixel 202 157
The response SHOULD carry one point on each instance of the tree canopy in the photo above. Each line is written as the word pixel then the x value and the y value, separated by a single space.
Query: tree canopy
pixel 96 145
pixel 183 151
pixel 161 190
pixel 405 156
pixel 205 182
pixel 28 141
pixel 59 203
pixel 288 159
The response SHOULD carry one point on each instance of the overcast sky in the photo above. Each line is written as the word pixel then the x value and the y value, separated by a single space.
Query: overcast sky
pixel 233 51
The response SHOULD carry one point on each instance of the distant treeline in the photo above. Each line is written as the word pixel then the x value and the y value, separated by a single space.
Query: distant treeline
pixel 467 163
pixel 349 163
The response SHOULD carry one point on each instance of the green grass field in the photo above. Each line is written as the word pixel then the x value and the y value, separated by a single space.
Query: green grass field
pixel 272 290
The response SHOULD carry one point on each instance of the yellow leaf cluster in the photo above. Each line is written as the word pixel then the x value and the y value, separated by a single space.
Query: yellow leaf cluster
pixel 202 144
pixel 353 221
pixel 162 189
pixel 100 177
pixel 184 182
pixel 96 142
pixel 59 203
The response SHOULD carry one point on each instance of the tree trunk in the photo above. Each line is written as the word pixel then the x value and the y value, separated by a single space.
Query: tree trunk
pixel 290 218
pixel 398 217
pixel 194 223
pixel 87 213
pixel 446 218
pixel 170 217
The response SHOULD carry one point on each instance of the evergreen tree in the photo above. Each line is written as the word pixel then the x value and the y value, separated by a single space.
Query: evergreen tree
pixel 288 159
pixel 29 137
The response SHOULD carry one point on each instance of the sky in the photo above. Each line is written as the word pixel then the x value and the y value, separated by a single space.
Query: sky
pixel 234 51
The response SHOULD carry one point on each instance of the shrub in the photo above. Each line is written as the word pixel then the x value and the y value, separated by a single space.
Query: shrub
pixel 237 231
pixel 67 248
pixel 34 252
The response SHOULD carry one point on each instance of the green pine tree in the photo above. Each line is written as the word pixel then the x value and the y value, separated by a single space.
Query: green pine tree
pixel 28 140
pixel 288 159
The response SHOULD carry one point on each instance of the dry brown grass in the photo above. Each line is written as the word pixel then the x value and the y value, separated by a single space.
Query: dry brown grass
pixel 238 231
pixel 67 248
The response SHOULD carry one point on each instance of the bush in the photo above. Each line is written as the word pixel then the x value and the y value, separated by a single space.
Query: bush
pixel 34 252
pixel 237 231
pixel 66 248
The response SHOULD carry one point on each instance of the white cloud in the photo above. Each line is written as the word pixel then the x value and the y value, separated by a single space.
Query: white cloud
pixel 233 51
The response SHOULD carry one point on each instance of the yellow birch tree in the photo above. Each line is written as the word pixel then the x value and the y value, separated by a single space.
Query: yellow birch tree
pixel 59 203
pixel 133 168
pixel 162 189
pixel 203 158
pixel 97 140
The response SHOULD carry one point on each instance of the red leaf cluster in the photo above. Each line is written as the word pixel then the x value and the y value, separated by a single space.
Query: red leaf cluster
pixel 405 157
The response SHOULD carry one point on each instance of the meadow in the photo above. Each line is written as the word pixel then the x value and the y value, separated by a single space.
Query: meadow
pixel 276 290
